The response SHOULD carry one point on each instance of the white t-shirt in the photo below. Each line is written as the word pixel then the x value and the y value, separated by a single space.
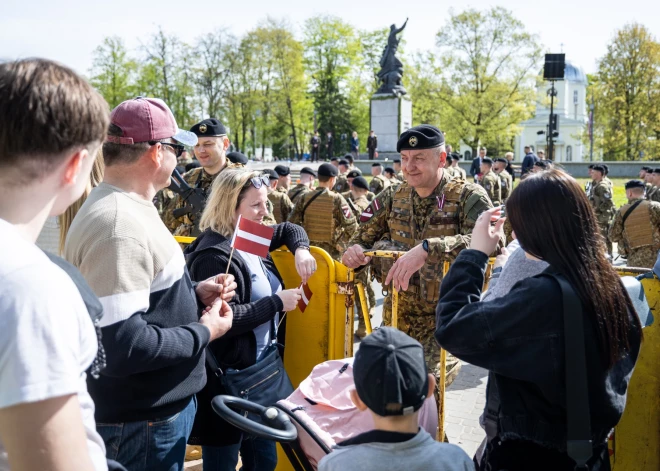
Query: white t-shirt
pixel 260 289
pixel 47 339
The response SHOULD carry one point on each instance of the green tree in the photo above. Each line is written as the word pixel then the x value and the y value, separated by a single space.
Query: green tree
pixel 489 64
pixel 626 94
pixel 113 72
pixel 211 70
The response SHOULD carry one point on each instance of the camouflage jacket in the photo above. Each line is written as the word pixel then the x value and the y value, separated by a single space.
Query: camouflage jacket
pixel 297 191
pixel 269 219
pixel 344 221
pixel 378 184
pixel 341 184
pixel 282 205
pixel 639 239
pixel 348 196
pixel 491 183
pixel 456 172
pixel 506 183
pixel 654 194
pixel 358 205
pixel 601 201
pixel 399 175
pixel 184 225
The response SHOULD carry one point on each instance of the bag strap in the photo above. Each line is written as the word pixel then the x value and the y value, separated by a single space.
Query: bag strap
pixel 630 210
pixel 578 416
pixel 318 193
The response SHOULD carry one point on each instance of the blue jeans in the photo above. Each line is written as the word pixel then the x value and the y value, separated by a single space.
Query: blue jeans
pixel 257 454
pixel 158 445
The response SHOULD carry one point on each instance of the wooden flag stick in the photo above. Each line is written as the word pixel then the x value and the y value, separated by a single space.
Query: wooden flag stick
pixel 238 221
pixel 229 262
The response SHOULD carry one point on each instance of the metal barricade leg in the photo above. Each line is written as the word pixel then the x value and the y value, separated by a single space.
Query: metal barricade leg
pixel 361 292
pixel 441 395
pixel 395 307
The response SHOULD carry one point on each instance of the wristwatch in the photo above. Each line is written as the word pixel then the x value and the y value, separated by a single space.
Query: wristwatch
pixel 425 245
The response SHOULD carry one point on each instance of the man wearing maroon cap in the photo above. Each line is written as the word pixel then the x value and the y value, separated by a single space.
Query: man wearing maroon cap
pixel 153 335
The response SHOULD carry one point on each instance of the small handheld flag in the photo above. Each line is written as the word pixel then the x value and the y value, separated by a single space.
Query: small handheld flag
pixel 305 298
pixel 252 237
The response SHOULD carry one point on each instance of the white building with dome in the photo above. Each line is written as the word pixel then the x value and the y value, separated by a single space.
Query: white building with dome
pixel 571 107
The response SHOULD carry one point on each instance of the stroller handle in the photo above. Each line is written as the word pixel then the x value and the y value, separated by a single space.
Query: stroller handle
pixel 278 425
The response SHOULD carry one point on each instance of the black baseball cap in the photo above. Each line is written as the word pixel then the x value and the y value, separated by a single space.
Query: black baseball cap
pixel 390 373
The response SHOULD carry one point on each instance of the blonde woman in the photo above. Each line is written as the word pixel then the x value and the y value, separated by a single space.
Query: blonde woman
pixel 260 298
pixel 355 145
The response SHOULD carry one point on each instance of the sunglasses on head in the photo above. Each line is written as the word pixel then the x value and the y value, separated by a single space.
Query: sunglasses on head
pixel 260 181
pixel 178 148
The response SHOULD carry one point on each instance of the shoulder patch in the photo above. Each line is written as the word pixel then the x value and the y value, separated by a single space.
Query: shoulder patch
pixel 347 211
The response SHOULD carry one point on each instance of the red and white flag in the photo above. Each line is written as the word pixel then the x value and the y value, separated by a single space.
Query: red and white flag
pixel 252 237
pixel 305 298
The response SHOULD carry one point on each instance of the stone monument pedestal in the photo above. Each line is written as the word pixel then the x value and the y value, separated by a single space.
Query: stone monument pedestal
pixel 390 116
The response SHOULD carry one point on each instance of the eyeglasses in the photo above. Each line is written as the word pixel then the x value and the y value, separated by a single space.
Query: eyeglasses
pixel 178 148
pixel 258 182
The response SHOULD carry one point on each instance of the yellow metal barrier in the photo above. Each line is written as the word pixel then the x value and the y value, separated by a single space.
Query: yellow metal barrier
pixel 184 240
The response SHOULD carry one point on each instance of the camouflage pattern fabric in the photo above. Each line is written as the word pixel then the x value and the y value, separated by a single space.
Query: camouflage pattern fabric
pixel 345 223
pixel 341 184
pixel 643 256
pixel 491 183
pixel 282 205
pixel 297 191
pixel 506 184
pixel 378 184
pixel 601 201
pixel 162 199
pixel 654 194
pixel 269 219
pixel 349 196
pixel 399 175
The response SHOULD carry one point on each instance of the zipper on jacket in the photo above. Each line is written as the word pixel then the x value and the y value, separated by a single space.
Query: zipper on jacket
pixel 245 391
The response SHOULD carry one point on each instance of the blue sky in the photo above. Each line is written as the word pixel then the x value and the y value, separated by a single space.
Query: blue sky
pixel 68 31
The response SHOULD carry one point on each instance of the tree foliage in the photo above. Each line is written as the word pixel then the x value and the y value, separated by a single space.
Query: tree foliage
pixel 113 71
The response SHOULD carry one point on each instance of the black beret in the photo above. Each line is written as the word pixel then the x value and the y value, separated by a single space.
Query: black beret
pixel 647 169
pixel 502 160
pixel 343 162
pixel 376 165
pixel 397 161
pixel 455 156
pixel 656 170
pixel 600 168
pixel 360 182
pixel 487 160
pixel 348 157
pixel 282 171
pixel 328 170
pixel 634 184
pixel 237 158
pixel 308 171
pixel 390 170
pixel 333 159
pixel 424 136
pixel 272 174
pixel 209 128
pixel 354 173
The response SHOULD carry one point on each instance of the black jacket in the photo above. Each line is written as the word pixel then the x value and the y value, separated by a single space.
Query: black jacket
pixel 208 256
pixel 519 338
pixel 372 142
pixel 475 168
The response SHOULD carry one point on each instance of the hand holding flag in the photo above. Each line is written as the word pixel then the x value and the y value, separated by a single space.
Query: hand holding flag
pixel 305 298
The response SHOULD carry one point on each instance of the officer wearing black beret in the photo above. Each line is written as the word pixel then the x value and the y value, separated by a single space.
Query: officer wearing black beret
pixel 305 184
pixel 238 159
pixel 490 181
pixel 342 178
pixel 390 174
pixel 453 169
pixel 430 217
pixel 354 173
pixel 282 171
pixel 360 182
pixel 601 200
pixel 327 170
pixel 378 182
pixel 285 178
pixel 211 153
pixel 272 174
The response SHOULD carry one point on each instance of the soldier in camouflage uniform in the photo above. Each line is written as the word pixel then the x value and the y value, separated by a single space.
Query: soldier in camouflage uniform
pixel 397 169
pixel 454 170
pixel 490 181
pixel 390 174
pixel 430 216
pixel 642 176
pixel 307 177
pixel 590 183
pixel 654 179
pixel 342 179
pixel 312 210
pixel 281 204
pixel 636 227
pixel 284 178
pixel 601 201
pixel 211 152
pixel 378 182
pixel 506 181
pixel 237 159
pixel 348 195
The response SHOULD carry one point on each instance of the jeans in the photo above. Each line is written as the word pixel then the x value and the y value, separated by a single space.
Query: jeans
pixel 158 445
pixel 257 454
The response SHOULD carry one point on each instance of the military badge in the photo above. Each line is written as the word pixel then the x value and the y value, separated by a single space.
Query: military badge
pixel 347 212
pixel 202 128
pixel 412 141
pixel 366 214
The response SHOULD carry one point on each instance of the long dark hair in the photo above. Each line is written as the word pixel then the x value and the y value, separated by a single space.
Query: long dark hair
pixel 553 220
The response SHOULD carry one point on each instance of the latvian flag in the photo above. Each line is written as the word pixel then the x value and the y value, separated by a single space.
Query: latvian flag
pixel 305 298
pixel 370 211
pixel 252 237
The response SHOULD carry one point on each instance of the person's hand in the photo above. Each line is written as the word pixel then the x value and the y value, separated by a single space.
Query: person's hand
pixel 484 236
pixel 223 286
pixel 290 298
pixel 501 259
pixel 405 267
pixel 354 257
pixel 218 318
pixel 305 264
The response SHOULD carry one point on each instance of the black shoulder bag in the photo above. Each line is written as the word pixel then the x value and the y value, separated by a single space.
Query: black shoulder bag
pixel 578 416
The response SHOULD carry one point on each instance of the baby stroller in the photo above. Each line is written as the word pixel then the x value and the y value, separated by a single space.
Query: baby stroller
pixel 314 418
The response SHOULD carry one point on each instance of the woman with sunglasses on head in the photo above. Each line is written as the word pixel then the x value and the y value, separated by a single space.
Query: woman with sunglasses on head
pixel 520 337
pixel 260 299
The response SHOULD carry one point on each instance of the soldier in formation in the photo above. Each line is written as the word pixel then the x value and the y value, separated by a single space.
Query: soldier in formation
pixel 283 178
pixel 602 202
pixel 378 182
pixel 281 204
pixel 643 172
pixel 351 176
pixel 306 184
pixel 506 181
pixel 654 180
pixel 454 170
pixel 237 159
pixel 312 211
pixel 211 152
pixel 636 227
pixel 342 181
pixel 490 181
pixel 390 174
pixel 430 216
pixel 397 169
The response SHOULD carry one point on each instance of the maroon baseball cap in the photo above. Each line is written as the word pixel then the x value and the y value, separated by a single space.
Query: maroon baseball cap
pixel 147 119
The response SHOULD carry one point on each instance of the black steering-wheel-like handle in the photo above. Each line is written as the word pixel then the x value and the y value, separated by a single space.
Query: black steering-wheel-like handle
pixel 277 425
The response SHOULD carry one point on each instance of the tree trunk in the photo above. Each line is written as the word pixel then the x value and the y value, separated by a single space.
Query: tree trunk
pixel 293 128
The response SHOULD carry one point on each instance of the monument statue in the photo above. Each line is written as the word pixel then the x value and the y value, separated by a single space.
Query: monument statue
pixel 391 68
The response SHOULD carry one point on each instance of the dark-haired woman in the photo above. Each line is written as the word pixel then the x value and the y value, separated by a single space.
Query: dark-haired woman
pixel 519 338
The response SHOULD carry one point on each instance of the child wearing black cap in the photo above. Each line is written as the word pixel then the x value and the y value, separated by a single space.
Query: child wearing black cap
pixel 391 381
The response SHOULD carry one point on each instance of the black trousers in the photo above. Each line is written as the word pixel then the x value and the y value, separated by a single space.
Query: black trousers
pixel 372 152
pixel 315 155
